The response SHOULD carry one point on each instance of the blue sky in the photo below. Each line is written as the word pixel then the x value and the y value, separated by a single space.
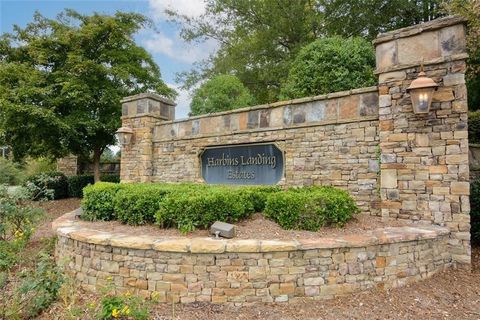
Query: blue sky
pixel 169 51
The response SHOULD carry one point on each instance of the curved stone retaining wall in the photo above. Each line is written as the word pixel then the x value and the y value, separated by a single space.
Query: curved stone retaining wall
pixel 244 271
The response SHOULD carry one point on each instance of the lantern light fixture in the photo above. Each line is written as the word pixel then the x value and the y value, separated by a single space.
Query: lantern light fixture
pixel 124 135
pixel 421 91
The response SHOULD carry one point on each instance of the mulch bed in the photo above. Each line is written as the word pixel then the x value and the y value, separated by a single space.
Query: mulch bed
pixel 453 294
pixel 256 227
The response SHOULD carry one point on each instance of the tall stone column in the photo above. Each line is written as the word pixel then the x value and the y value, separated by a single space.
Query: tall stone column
pixel 141 113
pixel 424 158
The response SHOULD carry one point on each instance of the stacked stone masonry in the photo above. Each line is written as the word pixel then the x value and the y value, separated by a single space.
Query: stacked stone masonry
pixel 368 141
pixel 248 271
pixel 424 158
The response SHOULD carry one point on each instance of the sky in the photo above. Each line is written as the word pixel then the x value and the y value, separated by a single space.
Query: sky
pixel 171 53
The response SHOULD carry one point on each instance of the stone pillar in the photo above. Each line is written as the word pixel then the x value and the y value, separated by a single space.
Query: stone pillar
pixel 68 165
pixel 424 158
pixel 141 113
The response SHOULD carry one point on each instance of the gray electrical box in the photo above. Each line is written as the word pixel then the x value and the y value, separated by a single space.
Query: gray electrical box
pixel 222 229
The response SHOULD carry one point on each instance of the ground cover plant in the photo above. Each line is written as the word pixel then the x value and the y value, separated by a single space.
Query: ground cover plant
pixel 194 206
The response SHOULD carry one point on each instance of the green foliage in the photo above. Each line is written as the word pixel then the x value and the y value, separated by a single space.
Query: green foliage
pixel 137 205
pixel 33 166
pixel 188 211
pixel 471 11
pixel 98 201
pixel 475 209
pixel 126 306
pixel 115 178
pixel 259 39
pixel 330 65
pixel 77 183
pixel 53 180
pixel 9 172
pixel 474 127
pixel 222 93
pixel 40 288
pixel 191 206
pixel 310 208
pixel 61 81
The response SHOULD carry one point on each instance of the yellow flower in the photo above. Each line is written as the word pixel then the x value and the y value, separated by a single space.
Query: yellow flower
pixel 115 313
pixel 18 234
pixel 109 278
pixel 126 310
pixel 128 294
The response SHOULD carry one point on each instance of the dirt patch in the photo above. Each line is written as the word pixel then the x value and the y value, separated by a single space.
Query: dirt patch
pixel 53 209
pixel 256 227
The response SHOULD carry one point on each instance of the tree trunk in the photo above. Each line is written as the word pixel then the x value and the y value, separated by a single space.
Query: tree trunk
pixel 97 152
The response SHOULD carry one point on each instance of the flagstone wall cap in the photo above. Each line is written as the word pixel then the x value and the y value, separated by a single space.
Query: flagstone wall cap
pixel 419 28
pixel 66 226
pixel 150 95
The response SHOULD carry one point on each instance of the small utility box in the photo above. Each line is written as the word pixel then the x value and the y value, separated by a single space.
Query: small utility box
pixel 222 229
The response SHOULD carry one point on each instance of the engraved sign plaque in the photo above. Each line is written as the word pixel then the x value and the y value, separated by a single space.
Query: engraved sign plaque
pixel 248 164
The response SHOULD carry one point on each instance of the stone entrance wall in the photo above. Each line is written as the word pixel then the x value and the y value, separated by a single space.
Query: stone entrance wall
pixel 341 138
pixel 247 271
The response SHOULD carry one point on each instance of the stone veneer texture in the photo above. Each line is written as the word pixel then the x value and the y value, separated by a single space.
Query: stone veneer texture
pixel 248 271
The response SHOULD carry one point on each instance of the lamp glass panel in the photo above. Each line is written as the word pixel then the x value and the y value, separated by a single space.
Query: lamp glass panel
pixel 422 99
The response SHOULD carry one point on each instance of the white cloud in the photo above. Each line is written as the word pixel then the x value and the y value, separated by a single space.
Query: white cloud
pixel 183 102
pixel 175 48
pixel 190 8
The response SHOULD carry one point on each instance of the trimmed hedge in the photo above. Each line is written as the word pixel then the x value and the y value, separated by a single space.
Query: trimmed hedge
pixel 475 209
pixel 77 183
pixel 58 183
pixel 310 208
pixel 191 206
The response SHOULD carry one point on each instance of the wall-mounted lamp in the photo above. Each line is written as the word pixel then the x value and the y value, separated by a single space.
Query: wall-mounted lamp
pixel 124 135
pixel 421 90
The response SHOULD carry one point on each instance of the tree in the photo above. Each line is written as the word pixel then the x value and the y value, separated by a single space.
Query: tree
pixel 330 65
pixel 259 39
pixel 471 11
pixel 224 92
pixel 61 82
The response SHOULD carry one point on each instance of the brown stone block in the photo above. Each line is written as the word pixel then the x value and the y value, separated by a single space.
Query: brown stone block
pixel 386 55
pixel 386 125
pixel 382 90
pixel 460 188
pixel 331 109
pixel 348 107
pixel 438 169
pixel 394 166
pixel 391 205
pixel 242 120
pixel 443 94
pixel 178 287
pixel 398 137
pixel 421 46
pixel 380 262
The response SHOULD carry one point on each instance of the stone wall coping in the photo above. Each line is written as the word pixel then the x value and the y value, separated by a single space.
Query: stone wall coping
pixel 333 95
pixel 292 126
pixel 419 28
pixel 439 60
pixel 150 95
pixel 65 226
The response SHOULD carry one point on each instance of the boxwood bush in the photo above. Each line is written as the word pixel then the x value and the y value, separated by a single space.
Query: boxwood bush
pixel 475 209
pixel 191 206
pixel 310 208
pixel 77 183
pixel 98 201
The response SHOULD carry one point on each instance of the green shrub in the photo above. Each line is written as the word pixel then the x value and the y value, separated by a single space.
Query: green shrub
pixel 137 205
pixel 474 127
pixel 330 65
pixel 475 209
pixel 77 183
pixel 110 178
pixel 310 208
pixel 188 210
pixel 98 201
pixel 53 180
pixel 9 173
pixel 39 165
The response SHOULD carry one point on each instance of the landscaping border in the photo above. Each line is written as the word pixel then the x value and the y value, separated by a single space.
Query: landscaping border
pixel 246 271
